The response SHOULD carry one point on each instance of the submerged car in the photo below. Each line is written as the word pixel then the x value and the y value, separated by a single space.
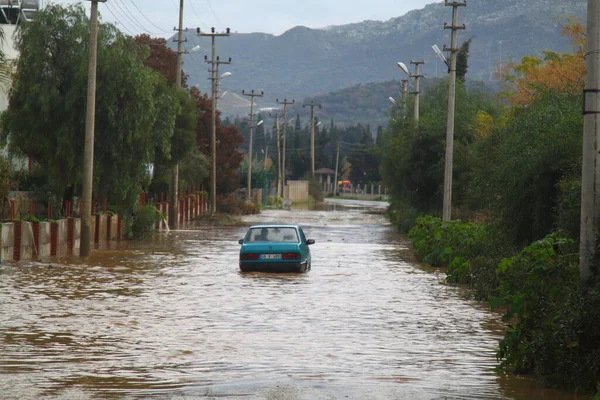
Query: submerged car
pixel 275 248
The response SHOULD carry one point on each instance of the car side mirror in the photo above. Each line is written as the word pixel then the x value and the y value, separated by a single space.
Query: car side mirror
pixel 310 241
pixel 241 241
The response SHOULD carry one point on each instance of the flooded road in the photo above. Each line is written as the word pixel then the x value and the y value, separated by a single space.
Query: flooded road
pixel 173 318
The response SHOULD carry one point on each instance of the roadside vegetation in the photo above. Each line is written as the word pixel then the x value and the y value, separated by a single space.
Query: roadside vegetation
pixel 516 199
pixel 142 122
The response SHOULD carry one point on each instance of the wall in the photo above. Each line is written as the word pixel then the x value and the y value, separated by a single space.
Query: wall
pixel 297 191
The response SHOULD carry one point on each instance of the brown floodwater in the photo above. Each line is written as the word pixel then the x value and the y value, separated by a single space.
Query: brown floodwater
pixel 173 318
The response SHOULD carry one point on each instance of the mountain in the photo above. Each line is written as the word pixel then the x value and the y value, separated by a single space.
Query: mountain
pixel 304 62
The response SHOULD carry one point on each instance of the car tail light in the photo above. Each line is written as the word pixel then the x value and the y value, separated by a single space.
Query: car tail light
pixel 291 256
pixel 249 256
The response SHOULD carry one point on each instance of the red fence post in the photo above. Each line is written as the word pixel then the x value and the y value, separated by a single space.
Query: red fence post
pixel 53 238
pixel 119 227
pixel 17 242
pixel 70 234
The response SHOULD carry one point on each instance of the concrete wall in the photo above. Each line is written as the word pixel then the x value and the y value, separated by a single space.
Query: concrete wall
pixel 297 191
pixel 22 240
pixel 7 241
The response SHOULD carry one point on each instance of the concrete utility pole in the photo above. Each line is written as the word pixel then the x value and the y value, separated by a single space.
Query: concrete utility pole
pixel 214 80
pixel 447 206
pixel 417 92
pixel 88 151
pixel 404 89
pixel 174 197
pixel 285 123
pixel 252 96
pixel 312 134
pixel 590 174
pixel 279 188
pixel 337 160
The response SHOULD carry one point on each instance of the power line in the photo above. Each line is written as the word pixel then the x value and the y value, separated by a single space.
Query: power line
pixel 213 12
pixel 197 15
pixel 117 19
pixel 132 21
pixel 143 15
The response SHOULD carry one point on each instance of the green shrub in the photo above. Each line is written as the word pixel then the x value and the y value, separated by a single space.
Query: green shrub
pixel 275 201
pixel 143 222
pixel 315 189
pixel 402 216
pixel 552 329
pixel 236 206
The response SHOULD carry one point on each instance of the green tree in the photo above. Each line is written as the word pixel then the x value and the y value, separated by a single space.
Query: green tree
pixel 135 113
pixel 462 61
pixel 518 169
pixel 413 156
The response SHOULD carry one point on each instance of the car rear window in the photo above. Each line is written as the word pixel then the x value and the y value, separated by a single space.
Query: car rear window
pixel 272 235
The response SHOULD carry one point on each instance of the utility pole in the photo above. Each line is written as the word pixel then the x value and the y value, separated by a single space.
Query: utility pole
pixel 88 151
pixel 404 98
pixel 174 197
pixel 447 205
pixel 312 134
pixel 285 123
pixel 279 188
pixel 590 174
pixel 417 92
pixel 213 128
pixel 337 160
pixel 266 144
pixel 252 96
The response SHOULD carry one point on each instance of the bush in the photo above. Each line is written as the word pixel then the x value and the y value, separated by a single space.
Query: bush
pixel 553 330
pixel 314 189
pixel 275 201
pixel 402 216
pixel 236 206
pixel 143 222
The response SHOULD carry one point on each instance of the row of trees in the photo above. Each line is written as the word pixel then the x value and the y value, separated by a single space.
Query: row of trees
pixel 517 181
pixel 142 121
pixel 358 154
pixel 517 156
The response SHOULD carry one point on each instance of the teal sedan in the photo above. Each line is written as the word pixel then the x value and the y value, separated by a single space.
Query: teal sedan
pixel 275 248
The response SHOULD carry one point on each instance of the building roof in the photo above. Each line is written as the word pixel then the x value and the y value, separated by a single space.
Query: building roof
pixel 325 171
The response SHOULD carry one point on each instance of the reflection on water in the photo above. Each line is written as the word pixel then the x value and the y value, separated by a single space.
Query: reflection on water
pixel 174 317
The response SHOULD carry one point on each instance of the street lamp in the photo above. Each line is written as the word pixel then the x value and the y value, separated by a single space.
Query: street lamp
pixel 440 55
pixel 403 67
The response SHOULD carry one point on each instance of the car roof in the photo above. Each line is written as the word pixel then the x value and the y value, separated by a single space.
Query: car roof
pixel 275 226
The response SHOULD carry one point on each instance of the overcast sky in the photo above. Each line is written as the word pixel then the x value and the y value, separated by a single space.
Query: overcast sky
pixel 159 17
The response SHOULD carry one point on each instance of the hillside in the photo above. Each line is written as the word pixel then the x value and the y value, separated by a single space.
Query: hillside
pixel 305 62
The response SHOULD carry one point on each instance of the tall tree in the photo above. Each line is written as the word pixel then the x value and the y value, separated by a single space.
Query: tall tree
pixel 462 61
pixel 134 115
